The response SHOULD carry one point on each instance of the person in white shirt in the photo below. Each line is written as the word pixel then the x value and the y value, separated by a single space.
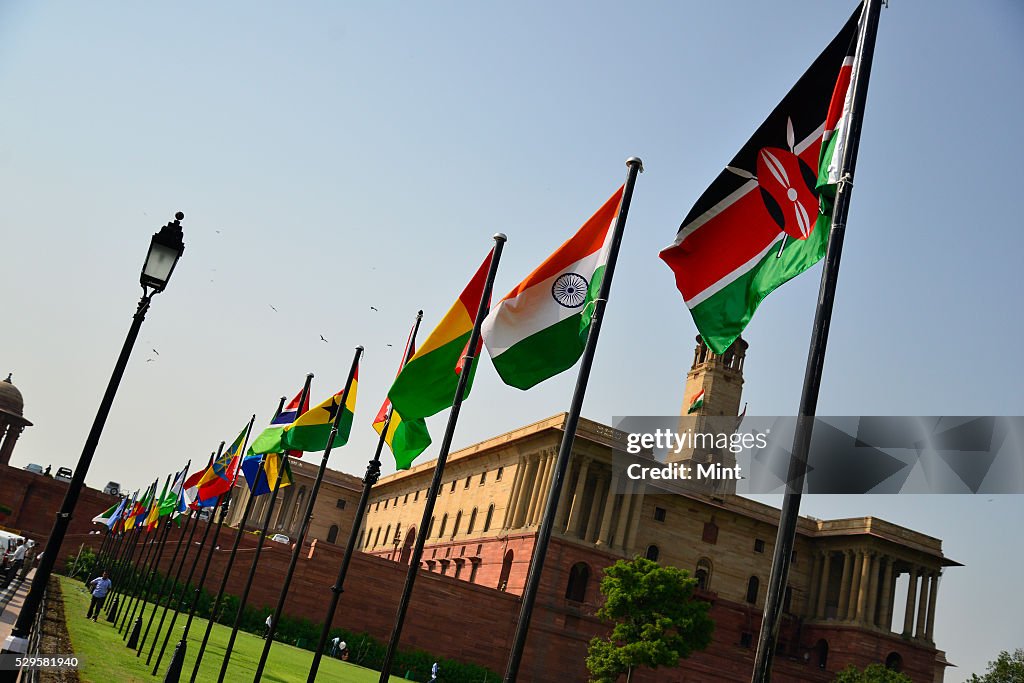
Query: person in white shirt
pixel 99 587
pixel 19 558
pixel 270 620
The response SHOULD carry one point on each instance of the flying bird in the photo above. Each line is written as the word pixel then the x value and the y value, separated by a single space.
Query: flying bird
pixel 322 338
pixel 374 308
pixel 272 306
pixel 149 360
pixel 390 345
pixel 156 352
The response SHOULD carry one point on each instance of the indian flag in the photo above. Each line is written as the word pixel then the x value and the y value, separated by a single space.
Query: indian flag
pixel 697 403
pixel 427 383
pixel 311 431
pixel 540 328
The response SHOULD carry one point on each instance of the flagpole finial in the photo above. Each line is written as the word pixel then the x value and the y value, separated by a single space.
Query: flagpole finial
pixel 500 237
pixel 635 160
pixel 309 374
pixel 419 314
pixel 360 349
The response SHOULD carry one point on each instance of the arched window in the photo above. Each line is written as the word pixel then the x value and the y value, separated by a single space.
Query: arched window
pixel 376 539
pixel 410 538
pixel 362 534
pixel 444 523
pixel 332 533
pixel 821 653
pixel 653 553
pixel 472 521
pixel 579 576
pixel 506 569
pixel 487 520
pixel 703 574
pixel 752 587
pixel 458 522
pixel 430 527
pixel 387 532
pixel 894 662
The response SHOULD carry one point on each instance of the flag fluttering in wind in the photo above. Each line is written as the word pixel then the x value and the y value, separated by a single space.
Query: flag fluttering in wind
pixel 310 431
pixel 406 439
pixel 260 472
pixel 696 403
pixel 540 328
pixel 427 383
pixel 153 516
pixel 137 515
pixel 220 475
pixel 269 440
pixel 767 216
pixel 109 516
pixel 173 502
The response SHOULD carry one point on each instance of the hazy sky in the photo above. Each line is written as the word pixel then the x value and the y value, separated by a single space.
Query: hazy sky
pixel 330 157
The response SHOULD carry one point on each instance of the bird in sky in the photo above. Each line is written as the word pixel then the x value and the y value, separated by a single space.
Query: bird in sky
pixel 390 345
pixel 149 360
pixel 322 338
pixel 156 352
pixel 374 308
pixel 272 306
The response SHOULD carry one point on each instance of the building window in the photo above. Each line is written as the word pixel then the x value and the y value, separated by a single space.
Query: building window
pixel 472 572
pixel 430 528
pixel 444 523
pixel 758 545
pixel 376 538
pixel 468 479
pixel 746 639
pixel 659 514
pixel 340 504
pixel 821 653
pixel 703 574
pixel 458 568
pixel 579 576
pixel 452 490
pixel 752 587
pixel 487 520
pixel 506 569
pixel 652 553
pixel 894 662
pixel 386 503
pixel 362 535
pixel 332 533
pixel 710 534
pixel 787 600
pixel 472 522
pixel 483 478
pixel 458 522
pixel 405 499
pixel 415 495
pixel 497 475
pixel 444 567
pixel 387 532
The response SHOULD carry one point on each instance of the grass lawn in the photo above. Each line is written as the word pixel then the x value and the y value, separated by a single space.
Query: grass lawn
pixel 104 656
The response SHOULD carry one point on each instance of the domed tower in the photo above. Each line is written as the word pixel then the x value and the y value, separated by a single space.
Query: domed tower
pixel 714 386
pixel 12 418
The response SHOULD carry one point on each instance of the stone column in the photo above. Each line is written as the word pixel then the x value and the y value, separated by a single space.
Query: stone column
pixel 929 631
pixel 922 607
pixel 887 595
pixel 823 578
pixel 811 606
pixel 576 508
pixel 635 512
pixel 590 533
pixel 540 497
pixel 844 585
pixel 876 564
pixel 13 432
pixel 564 505
pixel 525 492
pixel 908 616
pixel 517 487
pixel 855 576
pixel 622 525
pixel 606 518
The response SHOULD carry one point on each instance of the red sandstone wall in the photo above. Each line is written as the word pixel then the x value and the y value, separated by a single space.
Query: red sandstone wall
pixel 35 500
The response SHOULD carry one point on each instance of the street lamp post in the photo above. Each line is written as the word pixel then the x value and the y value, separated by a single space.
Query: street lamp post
pixel 165 249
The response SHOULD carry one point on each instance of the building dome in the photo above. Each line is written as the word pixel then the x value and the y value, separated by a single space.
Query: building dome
pixel 11 401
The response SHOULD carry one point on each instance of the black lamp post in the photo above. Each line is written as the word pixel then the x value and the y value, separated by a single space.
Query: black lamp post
pixel 165 249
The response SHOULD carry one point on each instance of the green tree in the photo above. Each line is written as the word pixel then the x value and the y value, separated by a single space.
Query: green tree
pixel 874 673
pixel 1008 668
pixel 657 620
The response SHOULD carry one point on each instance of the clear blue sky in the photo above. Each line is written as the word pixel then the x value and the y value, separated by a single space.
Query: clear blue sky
pixel 332 157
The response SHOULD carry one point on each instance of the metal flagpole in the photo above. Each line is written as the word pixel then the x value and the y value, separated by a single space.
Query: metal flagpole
pixel 297 547
pixel 372 474
pixel 170 567
pixel 224 503
pixel 635 166
pixel 148 548
pixel 193 523
pixel 442 458
pixel 124 554
pixel 250 502
pixel 243 600
pixel 816 354
pixel 154 568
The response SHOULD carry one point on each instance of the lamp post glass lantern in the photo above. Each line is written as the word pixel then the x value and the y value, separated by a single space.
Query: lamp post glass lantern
pixel 165 249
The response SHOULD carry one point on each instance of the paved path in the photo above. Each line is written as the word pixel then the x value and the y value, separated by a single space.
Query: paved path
pixel 13 608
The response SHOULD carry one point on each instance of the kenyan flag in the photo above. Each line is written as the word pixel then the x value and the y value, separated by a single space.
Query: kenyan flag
pixel 767 216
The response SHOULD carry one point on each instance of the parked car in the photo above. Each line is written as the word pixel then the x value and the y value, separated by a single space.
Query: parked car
pixel 281 538
pixel 113 488
pixel 34 468
pixel 63 474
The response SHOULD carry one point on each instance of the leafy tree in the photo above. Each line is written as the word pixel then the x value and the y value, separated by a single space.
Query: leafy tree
pixel 874 673
pixel 657 620
pixel 1008 668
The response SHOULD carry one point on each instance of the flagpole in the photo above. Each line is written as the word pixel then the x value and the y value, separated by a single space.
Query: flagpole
pixel 148 548
pixel 223 502
pixel 784 541
pixel 170 567
pixel 244 599
pixel 442 458
pixel 372 474
pixel 297 548
pixel 635 166
pixel 193 523
pixel 124 556
pixel 250 501
pixel 154 565
pixel 130 564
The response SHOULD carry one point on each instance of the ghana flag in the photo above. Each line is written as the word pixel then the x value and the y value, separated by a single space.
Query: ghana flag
pixel 767 216
pixel 427 383
pixel 311 431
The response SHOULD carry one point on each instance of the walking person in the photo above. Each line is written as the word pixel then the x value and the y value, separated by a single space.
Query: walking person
pixel 435 671
pixel 99 586
pixel 269 622
pixel 17 561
